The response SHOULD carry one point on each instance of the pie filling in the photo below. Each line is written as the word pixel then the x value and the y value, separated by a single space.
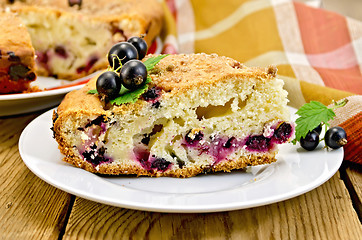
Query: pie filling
pixel 217 146
pixel 45 60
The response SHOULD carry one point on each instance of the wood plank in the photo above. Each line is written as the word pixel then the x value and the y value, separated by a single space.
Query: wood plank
pixel 30 208
pixel 355 176
pixel 324 213
pixel 352 176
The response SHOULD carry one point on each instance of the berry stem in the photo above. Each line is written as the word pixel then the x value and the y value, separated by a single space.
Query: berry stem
pixel 325 128
pixel 113 59
pixel 118 68
pixel 339 104
pixel 119 61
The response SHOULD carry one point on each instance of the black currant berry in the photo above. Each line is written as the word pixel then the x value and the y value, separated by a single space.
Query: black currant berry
pixel 258 143
pixel 283 132
pixel 310 141
pixel 124 51
pixel 108 84
pixel 141 46
pixel 194 138
pixel 335 137
pixel 160 164
pixel 75 2
pixel 133 74
pixel 318 129
pixel 152 93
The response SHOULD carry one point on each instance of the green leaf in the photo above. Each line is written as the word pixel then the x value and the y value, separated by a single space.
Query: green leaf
pixel 93 91
pixel 148 80
pixel 310 116
pixel 127 96
pixel 151 62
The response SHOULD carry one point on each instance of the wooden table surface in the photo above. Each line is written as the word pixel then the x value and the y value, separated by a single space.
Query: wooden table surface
pixel 33 209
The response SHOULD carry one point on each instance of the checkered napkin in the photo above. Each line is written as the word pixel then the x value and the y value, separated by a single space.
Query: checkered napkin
pixel 318 53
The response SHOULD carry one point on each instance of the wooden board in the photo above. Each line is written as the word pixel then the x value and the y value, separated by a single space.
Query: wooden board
pixel 355 176
pixel 315 215
pixel 353 181
pixel 30 208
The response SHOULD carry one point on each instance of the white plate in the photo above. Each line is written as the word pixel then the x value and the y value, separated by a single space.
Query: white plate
pixel 11 104
pixel 296 172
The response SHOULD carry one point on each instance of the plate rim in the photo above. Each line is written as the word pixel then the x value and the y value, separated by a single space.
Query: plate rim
pixel 46 93
pixel 164 208
pixel 63 89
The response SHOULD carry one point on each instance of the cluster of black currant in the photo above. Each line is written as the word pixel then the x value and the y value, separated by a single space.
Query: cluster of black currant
pixel 334 137
pixel 126 68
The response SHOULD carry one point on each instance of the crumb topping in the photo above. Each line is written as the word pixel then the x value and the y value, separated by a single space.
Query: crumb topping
pixel 185 70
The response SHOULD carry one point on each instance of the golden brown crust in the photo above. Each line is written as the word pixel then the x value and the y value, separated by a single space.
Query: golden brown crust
pixel 14 36
pixel 81 102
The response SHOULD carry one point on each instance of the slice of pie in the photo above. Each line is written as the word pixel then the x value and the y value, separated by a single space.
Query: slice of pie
pixel 16 55
pixel 201 113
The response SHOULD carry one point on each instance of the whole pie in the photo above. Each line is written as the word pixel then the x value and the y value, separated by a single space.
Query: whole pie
pixel 71 38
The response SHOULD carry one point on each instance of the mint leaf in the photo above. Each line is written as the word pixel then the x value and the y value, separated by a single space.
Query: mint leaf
pixel 151 62
pixel 127 96
pixel 93 91
pixel 311 115
pixel 148 80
